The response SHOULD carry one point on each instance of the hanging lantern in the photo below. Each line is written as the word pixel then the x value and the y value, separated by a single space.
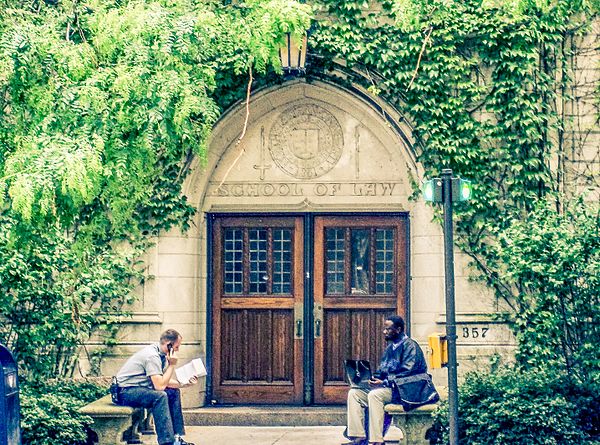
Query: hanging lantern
pixel 293 54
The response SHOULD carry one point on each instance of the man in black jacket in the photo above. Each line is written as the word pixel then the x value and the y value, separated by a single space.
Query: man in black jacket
pixel 402 358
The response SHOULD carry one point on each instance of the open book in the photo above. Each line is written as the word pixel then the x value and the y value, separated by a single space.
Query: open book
pixel 185 373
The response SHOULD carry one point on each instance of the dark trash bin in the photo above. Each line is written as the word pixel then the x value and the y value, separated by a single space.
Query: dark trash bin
pixel 10 434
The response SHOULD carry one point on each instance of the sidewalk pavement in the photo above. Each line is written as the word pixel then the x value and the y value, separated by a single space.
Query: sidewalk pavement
pixel 272 435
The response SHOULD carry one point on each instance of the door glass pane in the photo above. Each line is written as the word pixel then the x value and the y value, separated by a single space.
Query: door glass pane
pixel 384 261
pixel 360 261
pixel 334 256
pixel 257 239
pixel 233 259
pixel 282 261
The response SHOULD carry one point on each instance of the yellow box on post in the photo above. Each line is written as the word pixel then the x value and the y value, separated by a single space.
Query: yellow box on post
pixel 438 345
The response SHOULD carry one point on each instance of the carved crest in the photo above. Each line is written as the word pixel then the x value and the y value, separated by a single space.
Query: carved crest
pixel 306 141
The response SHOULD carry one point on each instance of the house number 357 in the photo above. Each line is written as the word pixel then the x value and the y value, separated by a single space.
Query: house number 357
pixel 475 332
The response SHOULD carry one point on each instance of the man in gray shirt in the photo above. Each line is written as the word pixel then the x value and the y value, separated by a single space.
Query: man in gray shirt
pixel 147 380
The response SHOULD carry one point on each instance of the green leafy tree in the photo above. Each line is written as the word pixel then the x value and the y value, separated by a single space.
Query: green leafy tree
pixel 55 293
pixel 553 263
pixel 103 105
pixel 100 99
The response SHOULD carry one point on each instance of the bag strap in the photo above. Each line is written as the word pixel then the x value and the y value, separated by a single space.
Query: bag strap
pixel 412 378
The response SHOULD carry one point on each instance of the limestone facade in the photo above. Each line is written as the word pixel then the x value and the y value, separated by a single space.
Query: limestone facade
pixel 579 160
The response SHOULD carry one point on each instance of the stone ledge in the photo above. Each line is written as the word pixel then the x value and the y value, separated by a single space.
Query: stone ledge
pixel 115 424
pixel 424 410
pixel 476 318
pixel 393 408
pixel 266 415
pixel 105 408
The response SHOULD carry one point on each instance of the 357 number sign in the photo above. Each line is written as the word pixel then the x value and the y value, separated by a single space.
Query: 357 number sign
pixel 474 332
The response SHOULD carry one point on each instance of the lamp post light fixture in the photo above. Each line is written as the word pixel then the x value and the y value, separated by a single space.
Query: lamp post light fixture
pixel 293 54
pixel 447 190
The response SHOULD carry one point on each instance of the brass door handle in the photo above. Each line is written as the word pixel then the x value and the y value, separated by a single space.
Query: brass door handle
pixel 299 317
pixel 318 317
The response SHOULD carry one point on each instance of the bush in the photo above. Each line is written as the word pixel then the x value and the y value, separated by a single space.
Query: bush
pixel 52 299
pixel 552 262
pixel 49 411
pixel 525 408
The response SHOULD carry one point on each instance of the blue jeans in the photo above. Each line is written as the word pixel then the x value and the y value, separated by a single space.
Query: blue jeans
pixel 164 405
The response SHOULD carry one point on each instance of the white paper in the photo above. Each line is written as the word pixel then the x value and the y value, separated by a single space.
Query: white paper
pixel 195 368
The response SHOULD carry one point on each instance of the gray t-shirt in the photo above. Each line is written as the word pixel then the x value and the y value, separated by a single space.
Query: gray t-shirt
pixel 143 364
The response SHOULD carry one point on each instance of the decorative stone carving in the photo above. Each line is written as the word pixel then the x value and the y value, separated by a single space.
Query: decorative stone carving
pixel 306 141
pixel 262 166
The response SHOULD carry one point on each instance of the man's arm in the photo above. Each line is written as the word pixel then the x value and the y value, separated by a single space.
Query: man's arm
pixel 174 383
pixel 161 382
pixel 407 359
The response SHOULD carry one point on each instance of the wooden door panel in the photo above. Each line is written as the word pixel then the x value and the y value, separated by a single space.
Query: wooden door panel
pixel 258 292
pixel 360 276
pixel 250 353
pixel 351 334
pixel 282 352
pixel 232 350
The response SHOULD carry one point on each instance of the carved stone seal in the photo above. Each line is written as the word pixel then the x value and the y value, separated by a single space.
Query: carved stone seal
pixel 306 141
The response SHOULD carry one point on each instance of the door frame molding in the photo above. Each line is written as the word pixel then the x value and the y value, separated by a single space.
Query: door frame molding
pixel 308 328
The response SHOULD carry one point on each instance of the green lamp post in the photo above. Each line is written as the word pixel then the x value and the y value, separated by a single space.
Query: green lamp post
pixel 447 190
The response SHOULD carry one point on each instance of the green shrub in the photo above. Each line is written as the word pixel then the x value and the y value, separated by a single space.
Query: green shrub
pixel 552 261
pixel 49 412
pixel 525 408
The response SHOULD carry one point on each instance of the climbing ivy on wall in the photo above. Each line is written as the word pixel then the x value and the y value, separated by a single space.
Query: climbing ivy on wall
pixel 483 84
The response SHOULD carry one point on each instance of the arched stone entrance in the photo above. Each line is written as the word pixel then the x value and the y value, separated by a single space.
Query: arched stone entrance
pixel 335 203
pixel 308 245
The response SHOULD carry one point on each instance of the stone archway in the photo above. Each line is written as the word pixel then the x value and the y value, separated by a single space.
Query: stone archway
pixel 309 150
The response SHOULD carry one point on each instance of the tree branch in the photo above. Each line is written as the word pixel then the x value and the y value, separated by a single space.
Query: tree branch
pixel 243 150
pixel 420 56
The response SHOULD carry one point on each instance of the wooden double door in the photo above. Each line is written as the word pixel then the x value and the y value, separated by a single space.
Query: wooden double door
pixel 295 296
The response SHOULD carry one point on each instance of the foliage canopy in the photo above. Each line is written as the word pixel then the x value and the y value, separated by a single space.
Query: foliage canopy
pixel 103 105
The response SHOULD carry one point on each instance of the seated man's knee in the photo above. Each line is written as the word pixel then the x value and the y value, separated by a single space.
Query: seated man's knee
pixel 371 395
pixel 353 394
pixel 375 394
pixel 160 397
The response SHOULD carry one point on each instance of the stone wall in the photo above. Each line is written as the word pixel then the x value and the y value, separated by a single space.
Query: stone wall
pixel 580 157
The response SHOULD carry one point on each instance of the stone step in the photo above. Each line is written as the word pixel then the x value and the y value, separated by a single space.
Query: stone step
pixel 266 415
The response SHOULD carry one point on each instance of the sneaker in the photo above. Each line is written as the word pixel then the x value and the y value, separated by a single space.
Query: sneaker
pixel 181 441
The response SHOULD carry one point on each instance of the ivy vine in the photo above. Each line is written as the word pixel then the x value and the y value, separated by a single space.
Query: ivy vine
pixel 103 104
pixel 484 84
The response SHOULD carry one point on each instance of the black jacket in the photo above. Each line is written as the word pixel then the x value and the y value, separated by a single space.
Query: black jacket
pixel 406 359
pixel 404 369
